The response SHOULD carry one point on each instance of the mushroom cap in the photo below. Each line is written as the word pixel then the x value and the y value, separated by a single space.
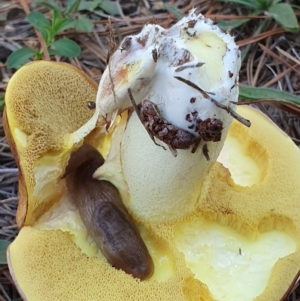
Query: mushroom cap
pixel 244 232
pixel 47 114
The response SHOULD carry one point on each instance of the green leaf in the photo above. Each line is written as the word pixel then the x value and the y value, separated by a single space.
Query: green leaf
pixel 53 52
pixel 48 34
pixel 225 25
pixel 110 7
pixel 56 16
pixel 20 57
pixel 83 24
pixel 89 5
pixel 2 103
pixel 253 93
pixel 238 22
pixel 3 247
pixel 285 16
pixel 248 3
pixel 66 47
pixel 63 24
pixel 174 11
pixel 49 4
pixel 264 4
pixel 37 19
pixel 72 6
pixel 3 16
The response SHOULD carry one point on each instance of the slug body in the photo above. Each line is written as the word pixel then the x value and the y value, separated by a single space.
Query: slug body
pixel 105 216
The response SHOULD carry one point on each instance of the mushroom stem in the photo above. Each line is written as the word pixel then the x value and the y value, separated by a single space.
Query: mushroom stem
pixel 168 71
pixel 104 215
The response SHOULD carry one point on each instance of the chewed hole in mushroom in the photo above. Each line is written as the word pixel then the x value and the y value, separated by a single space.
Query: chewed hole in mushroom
pixel 214 253
pixel 246 150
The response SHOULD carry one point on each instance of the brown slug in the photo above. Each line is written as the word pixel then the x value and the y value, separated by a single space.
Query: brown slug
pixel 105 216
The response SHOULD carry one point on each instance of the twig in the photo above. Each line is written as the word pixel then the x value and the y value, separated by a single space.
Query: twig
pixel 259 37
pixel 288 55
pixel 8 200
pixel 227 109
pixel 10 227
pixel 278 77
pixel 4 292
pixel 9 170
pixel 275 56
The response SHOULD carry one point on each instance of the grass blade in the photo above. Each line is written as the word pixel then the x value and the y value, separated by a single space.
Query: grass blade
pixel 283 100
pixel 249 3
pixel 174 11
pixel 3 247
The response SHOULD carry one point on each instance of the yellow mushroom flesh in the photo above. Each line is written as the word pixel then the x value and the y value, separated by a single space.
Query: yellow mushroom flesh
pixel 226 225
pixel 222 226
pixel 43 141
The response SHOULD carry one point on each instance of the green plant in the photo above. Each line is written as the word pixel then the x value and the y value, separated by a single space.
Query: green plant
pixel 70 13
pixel 62 19
pixel 3 247
pixel 282 13
pixel 281 99
pixel 93 6
pixel 1 101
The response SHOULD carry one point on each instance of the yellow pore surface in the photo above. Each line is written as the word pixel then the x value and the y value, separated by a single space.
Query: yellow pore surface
pixel 242 242
pixel 45 103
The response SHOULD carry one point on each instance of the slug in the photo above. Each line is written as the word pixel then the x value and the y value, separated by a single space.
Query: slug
pixel 105 216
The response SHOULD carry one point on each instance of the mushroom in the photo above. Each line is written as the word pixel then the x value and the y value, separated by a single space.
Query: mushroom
pixel 40 141
pixel 210 226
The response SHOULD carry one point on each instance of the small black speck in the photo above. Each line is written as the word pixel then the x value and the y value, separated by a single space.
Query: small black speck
pixel 188 117
pixel 195 114
pixel 205 152
pixel 126 44
pixel 91 105
pixel 154 55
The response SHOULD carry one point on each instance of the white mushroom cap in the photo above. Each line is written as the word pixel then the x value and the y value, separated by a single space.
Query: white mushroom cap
pixel 198 51
pixel 193 41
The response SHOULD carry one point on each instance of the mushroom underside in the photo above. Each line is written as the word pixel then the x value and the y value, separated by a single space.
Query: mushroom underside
pixel 240 243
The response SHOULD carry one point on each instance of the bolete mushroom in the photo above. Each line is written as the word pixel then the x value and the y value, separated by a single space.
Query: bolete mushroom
pixel 217 226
